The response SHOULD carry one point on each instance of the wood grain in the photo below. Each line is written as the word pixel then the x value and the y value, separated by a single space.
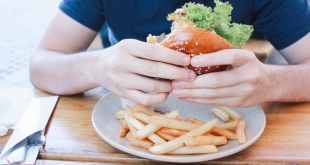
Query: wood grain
pixel 70 135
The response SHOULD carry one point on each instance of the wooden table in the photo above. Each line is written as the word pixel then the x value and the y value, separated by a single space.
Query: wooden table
pixel 71 138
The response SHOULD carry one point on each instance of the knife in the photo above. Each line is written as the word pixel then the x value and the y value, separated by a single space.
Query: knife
pixel 19 152
pixel 33 120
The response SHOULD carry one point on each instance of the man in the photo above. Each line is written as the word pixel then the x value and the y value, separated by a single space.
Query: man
pixel 59 64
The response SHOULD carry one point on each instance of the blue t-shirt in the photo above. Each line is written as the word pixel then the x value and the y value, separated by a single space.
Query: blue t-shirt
pixel 282 22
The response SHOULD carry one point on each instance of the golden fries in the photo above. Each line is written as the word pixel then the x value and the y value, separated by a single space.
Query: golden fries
pixel 151 128
pixel 204 149
pixel 229 125
pixel 222 132
pixel 240 132
pixel 141 108
pixel 205 140
pixel 178 142
pixel 165 136
pixel 122 130
pixel 231 113
pixel 120 114
pixel 172 123
pixel 220 114
pixel 138 143
pixel 172 132
pixel 169 134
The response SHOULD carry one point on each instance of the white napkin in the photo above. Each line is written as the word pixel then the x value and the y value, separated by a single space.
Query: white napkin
pixel 5 122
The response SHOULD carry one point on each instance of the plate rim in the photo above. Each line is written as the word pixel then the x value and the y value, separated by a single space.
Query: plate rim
pixel 167 158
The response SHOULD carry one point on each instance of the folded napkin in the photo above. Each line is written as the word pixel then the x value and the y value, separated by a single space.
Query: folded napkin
pixel 5 122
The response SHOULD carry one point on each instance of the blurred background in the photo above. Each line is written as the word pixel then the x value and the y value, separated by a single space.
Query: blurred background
pixel 21 25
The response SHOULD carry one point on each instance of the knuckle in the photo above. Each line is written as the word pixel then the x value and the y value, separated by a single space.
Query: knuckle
pixel 151 53
pixel 152 87
pixel 215 82
pixel 152 68
pixel 233 57
pixel 116 63
pixel 214 93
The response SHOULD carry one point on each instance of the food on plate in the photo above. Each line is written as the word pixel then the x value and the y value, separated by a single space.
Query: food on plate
pixel 231 113
pixel 220 114
pixel 197 29
pixel 167 134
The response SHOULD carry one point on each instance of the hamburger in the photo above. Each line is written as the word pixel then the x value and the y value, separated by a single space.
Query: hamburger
pixel 197 29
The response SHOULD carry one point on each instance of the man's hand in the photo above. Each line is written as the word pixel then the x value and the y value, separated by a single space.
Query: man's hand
pixel 123 68
pixel 245 85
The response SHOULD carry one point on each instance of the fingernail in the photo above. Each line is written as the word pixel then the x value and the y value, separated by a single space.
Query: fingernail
pixel 195 61
pixel 177 93
pixel 186 60
pixel 192 75
pixel 177 84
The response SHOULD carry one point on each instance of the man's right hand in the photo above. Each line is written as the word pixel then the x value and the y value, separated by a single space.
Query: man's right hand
pixel 125 68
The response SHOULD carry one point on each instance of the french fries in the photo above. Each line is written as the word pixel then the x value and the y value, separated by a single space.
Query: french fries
pixel 231 113
pixel 203 149
pixel 205 140
pixel 220 114
pixel 172 123
pixel 120 114
pixel 240 132
pixel 169 134
pixel 178 142
pixel 151 128
pixel 138 143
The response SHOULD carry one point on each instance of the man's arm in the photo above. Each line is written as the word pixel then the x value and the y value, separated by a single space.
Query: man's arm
pixel 53 67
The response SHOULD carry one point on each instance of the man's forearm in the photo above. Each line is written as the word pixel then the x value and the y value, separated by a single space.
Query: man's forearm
pixel 290 83
pixel 63 74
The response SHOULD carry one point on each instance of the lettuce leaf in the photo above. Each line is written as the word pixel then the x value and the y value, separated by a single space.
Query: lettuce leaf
pixel 217 19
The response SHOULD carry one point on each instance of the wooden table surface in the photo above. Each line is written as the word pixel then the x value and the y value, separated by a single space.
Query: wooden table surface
pixel 70 135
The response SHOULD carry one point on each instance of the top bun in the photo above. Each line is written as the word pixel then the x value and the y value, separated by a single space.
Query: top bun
pixel 194 41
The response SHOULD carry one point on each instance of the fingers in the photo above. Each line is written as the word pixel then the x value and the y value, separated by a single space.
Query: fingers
pixel 205 93
pixel 160 70
pixel 213 80
pixel 148 84
pixel 146 99
pixel 235 57
pixel 230 101
pixel 154 52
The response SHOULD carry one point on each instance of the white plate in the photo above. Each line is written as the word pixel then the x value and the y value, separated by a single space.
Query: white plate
pixel 108 128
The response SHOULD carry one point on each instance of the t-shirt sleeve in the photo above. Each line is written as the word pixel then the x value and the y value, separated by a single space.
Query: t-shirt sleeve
pixel 87 12
pixel 282 22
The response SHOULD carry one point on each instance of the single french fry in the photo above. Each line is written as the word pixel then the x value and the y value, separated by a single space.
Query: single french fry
pixel 220 114
pixel 231 113
pixel 120 114
pixel 229 125
pixel 122 130
pixel 172 132
pixel 219 131
pixel 138 125
pixel 141 108
pixel 223 132
pixel 240 131
pixel 138 143
pixel 205 140
pixel 151 128
pixel 129 110
pixel 125 126
pixel 178 142
pixel 193 120
pixel 165 136
pixel 141 116
pixel 204 149
pixel 172 123
pixel 133 131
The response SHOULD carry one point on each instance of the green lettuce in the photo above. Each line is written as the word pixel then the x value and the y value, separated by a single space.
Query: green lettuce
pixel 217 19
